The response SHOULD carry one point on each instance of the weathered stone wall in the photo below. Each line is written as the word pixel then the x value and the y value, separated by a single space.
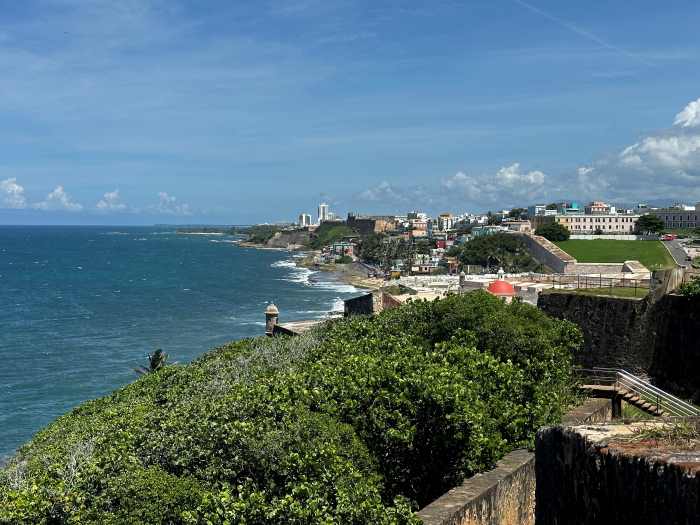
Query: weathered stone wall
pixel 610 327
pixel 657 338
pixel 583 481
pixel 548 253
pixel 673 328
pixel 596 268
pixel 362 305
pixel 506 494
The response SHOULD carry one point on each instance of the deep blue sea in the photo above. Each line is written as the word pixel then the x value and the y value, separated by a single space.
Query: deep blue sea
pixel 80 307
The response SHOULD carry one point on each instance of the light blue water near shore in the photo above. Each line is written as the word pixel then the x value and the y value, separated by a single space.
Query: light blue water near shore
pixel 80 307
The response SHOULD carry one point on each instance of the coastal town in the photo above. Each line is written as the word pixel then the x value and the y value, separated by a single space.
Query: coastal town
pixel 595 248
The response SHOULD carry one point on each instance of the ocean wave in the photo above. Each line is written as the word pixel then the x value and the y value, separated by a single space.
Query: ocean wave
pixel 225 242
pixel 338 305
pixel 302 275
pixel 286 263
pixel 338 287
pixel 252 323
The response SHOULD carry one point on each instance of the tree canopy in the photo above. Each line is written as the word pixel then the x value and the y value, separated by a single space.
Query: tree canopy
pixel 363 420
pixel 554 232
pixel 499 250
pixel 650 224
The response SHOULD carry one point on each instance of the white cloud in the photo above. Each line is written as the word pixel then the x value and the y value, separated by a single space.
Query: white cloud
pixel 58 199
pixel 508 185
pixel 665 164
pixel 690 116
pixel 382 192
pixel 12 194
pixel 169 205
pixel 511 177
pixel 111 201
pixel 675 153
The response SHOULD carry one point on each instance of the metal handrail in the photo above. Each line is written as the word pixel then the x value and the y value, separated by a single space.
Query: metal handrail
pixel 622 379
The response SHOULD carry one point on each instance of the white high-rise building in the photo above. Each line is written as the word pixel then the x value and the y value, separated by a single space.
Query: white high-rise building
pixel 304 220
pixel 323 211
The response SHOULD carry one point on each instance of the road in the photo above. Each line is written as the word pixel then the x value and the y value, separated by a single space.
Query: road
pixel 677 252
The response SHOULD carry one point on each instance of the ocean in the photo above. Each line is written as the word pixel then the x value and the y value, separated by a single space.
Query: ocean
pixel 80 307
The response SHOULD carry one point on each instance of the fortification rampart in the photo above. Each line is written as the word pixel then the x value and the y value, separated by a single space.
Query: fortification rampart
pixel 657 338
pixel 605 474
pixel 506 494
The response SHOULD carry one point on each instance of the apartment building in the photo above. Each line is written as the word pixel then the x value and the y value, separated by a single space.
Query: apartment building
pixel 680 216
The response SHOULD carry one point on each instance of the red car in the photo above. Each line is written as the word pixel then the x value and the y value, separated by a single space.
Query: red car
pixel 668 237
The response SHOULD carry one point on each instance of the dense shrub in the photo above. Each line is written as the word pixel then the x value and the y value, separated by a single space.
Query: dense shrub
pixel 554 232
pixel 358 422
pixel 499 250
pixel 691 288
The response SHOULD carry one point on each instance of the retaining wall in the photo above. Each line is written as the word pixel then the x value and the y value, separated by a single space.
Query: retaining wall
pixel 362 305
pixel 661 339
pixel 506 494
pixel 590 475
pixel 548 253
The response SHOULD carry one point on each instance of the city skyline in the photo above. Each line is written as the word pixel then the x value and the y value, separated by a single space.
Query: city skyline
pixel 149 112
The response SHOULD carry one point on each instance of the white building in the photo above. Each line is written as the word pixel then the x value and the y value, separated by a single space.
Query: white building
pixel 446 221
pixel 323 211
pixel 304 220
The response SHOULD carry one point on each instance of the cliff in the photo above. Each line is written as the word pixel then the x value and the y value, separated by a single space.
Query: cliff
pixel 293 240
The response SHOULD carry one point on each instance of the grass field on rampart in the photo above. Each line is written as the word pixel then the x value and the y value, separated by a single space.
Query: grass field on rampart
pixel 651 254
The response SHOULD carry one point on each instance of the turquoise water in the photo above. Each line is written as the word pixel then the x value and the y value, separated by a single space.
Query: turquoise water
pixel 80 307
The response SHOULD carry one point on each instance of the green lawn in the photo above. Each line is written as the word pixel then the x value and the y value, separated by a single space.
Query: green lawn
pixel 651 254
pixel 615 291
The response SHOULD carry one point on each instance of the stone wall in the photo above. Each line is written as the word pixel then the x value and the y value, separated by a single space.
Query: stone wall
pixel 610 327
pixel 548 253
pixel 506 494
pixel 659 338
pixel 596 268
pixel 361 305
pixel 590 475
pixel 674 331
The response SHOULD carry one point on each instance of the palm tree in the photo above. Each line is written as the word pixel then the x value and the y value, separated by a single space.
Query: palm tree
pixel 156 361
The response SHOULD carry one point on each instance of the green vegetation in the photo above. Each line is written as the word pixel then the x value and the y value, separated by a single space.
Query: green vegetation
pixel 650 224
pixel 631 412
pixel 361 421
pixel 554 232
pixel 493 251
pixel 680 434
pixel 651 254
pixel 344 259
pixel 260 233
pixel 614 291
pixel 691 288
pixel 329 232
pixel 377 249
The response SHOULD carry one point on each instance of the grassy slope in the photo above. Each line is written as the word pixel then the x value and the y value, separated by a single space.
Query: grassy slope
pixel 651 254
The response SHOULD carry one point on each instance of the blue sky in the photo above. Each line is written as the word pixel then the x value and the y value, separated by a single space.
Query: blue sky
pixel 142 111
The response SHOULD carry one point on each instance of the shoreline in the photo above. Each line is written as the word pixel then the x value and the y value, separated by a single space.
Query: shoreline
pixel 347 273
pixel 344 272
